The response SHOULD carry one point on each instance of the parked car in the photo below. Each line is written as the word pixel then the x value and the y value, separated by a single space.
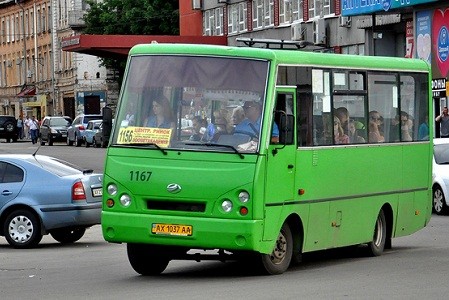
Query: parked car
pixel 69 120
pixel 92 128
pixel 75 132
pixel 440 176
pixel 53 129
pixel 44 195
pixel 8 128
pixel 101 139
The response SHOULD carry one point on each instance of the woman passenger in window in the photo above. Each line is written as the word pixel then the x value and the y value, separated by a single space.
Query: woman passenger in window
pixel 339 136
pixel 375 130
pixel 162 116
pixel 354 137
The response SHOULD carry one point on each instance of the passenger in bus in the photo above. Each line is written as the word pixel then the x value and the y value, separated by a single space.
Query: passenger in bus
pixel 401 123
pixel 222 124
pixel 251 124
pixel 202 131
pixel 162 115
pixel 130 114
pixel 339 136
pixel 354 137
pixel 343 114
pixel 375 128
pixel 238 115
pixel 423 129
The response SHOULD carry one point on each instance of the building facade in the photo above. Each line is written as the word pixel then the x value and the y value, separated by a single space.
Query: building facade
pixel 36 76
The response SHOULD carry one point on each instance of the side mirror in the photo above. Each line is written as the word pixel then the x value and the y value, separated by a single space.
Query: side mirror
pixel 107 121
pixel 286 129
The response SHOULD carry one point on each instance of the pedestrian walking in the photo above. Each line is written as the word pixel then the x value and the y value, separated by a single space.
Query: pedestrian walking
pixel 26 128
pixel 20 128
pixel 34 129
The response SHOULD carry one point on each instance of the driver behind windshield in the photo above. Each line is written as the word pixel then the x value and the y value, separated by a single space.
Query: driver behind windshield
pixel 251 124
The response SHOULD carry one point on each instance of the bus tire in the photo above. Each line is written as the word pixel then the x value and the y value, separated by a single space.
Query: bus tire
pixel 279 260
pixel 147 260
pixel 377 245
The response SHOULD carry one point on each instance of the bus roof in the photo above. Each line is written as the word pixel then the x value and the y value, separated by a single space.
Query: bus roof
pixel 286 57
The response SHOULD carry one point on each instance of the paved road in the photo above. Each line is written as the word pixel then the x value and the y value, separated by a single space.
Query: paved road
pixel 416 267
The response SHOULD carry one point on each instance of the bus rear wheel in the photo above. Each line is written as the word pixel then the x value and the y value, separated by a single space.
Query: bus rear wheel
pixel 278 261
pixel 377 245
pixel 147 260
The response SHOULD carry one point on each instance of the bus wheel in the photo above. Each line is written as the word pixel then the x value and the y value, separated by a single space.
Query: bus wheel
pixel 147 260
pixel 377 245
pixel 278 261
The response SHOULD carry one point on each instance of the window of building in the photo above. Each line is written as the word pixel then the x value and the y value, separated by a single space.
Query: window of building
pixel 2 31
pixel 31 23
pixel 319 8
pixel 289 11
pixel 8 32
pixel 44 20
pixel 263 14
pixel 49 18
pixel 213 21
pixel 237 21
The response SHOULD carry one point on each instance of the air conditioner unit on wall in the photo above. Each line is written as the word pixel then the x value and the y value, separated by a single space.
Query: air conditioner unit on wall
pixel 319 32
pixel 345 21
pixel 298 32
pixel 196 4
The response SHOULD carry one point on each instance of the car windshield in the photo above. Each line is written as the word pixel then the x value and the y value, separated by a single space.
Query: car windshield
pixel 441 153
pixel 191 103
pixel 58 122
pixel 55 166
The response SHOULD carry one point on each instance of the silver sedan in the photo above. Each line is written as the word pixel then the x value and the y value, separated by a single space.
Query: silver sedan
pixel 44 195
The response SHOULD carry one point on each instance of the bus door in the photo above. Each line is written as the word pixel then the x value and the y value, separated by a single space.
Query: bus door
pixel 280 168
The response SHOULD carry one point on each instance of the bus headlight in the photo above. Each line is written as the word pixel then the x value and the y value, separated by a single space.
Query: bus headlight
pixel 125 200
pixel 112 189
pixel 226 205
pixel 244 196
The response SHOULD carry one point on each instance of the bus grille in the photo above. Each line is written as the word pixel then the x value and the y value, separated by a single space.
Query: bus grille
pixel 177 206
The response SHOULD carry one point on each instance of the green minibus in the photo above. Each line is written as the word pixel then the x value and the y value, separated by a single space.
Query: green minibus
pixel 261 155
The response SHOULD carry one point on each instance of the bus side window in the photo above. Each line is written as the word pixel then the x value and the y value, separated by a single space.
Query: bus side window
pixel 284 118
pixel 305 115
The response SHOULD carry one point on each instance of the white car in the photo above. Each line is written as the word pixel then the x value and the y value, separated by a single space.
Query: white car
pixel 440 176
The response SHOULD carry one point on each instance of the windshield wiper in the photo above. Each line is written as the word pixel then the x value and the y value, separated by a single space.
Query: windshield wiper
pixel 218 145
pixel 148 144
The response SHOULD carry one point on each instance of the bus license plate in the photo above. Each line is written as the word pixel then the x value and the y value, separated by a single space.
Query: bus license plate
pixel 97 192
pixel 172 229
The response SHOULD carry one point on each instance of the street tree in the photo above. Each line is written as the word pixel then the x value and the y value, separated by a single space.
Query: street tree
pixel 137 17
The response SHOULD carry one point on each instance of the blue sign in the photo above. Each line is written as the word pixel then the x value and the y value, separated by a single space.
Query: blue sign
pixel 364 7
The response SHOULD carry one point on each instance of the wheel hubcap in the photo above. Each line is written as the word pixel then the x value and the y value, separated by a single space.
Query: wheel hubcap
pixel 378 232
pixel 280 249
pixel 438 200
pixel 20 229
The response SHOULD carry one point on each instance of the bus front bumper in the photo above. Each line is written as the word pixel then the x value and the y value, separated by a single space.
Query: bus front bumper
pixel 206 233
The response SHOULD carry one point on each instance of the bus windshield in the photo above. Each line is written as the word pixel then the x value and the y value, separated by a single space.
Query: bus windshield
pixel 193 103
